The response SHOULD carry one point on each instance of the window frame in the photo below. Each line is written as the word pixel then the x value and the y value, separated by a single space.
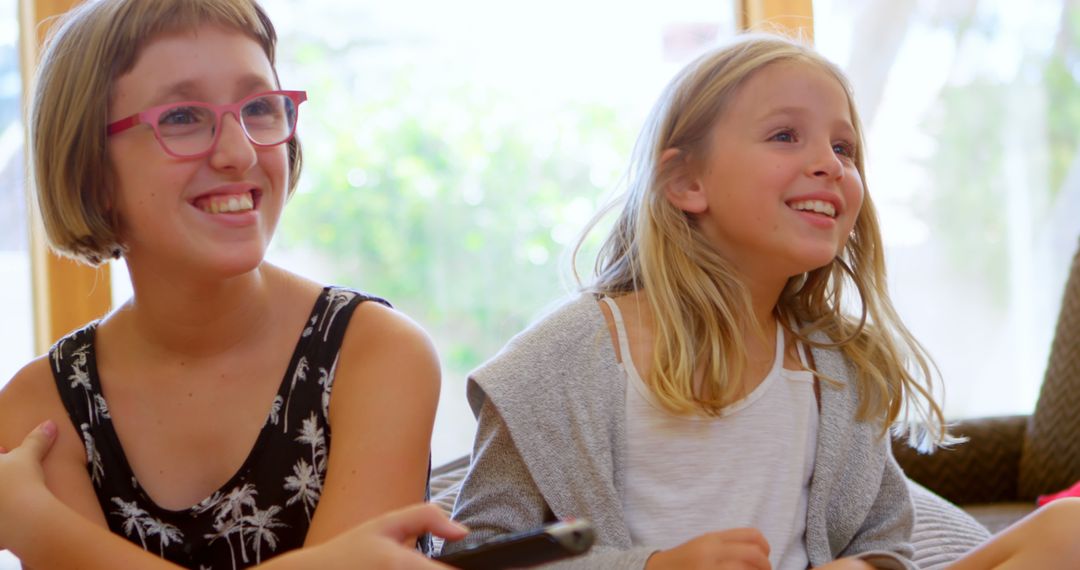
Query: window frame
pixel 66 294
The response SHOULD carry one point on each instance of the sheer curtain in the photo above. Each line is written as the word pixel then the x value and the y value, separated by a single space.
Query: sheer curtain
pixel 971 111
pixel 16 334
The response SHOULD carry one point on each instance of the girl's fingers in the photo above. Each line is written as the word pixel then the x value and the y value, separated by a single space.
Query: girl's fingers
pixel 40 440
pixel 416 520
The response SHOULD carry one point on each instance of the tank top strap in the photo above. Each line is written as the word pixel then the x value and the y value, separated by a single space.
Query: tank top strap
pixel 74 370
pixel 329 319
pixel 74 367
pixel 800 346
pixel 778 351
pixel 620 329
pixel 311 371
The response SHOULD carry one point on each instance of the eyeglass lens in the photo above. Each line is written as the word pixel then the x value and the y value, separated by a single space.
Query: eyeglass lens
pixel 189 129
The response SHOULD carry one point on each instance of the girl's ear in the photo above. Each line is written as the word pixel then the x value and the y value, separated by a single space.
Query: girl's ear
pixel 683 188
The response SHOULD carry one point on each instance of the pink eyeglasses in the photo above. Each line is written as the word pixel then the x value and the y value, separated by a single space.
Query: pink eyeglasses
pixel 189 129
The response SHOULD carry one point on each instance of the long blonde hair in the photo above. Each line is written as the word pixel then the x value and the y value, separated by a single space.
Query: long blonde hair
pixel 696 297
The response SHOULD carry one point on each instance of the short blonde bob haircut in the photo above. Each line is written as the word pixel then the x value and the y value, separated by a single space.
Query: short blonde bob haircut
pixel 696 297
pixel 88 48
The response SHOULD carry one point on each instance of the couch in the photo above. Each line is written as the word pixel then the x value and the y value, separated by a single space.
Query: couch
pixel 1009 461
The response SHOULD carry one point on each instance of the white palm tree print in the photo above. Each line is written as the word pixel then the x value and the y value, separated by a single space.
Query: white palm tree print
pixel 101 406
pixel 230 511
pixel 275 410
pixel 307 485
pixel 224 528
pixel 229 517
pixel 58 351
pixel 134 518
pixel 80 378
pixel 260 524
pixel 310 328
pixel 207 503
pixel 299 375
pixel 166 533
pixel 93 456
pixel 336 300
pixel 326 380
pixel 313 435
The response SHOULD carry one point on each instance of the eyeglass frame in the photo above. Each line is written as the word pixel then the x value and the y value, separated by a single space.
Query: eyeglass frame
pixel 150 118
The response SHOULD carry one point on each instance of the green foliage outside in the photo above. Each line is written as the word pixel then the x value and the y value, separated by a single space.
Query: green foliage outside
pixel 450 199
pixel 968 203
pixel 1063 105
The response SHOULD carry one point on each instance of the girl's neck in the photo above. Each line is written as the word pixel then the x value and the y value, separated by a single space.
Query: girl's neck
pixel 194 317
pixel 764 295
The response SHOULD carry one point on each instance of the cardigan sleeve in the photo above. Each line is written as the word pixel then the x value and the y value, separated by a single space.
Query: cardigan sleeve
pixel 499 496
pixel 883 540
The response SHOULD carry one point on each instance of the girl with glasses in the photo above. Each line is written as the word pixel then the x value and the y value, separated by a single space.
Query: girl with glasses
pixel 230 412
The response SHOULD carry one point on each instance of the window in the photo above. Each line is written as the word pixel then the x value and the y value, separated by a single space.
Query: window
pixel 16 336
pixel 972 111
pixel 454 151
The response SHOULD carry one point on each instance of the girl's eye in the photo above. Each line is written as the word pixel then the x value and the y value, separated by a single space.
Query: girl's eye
pixel 179 116
pixel 257 107
pixel 783 136
pixel 844 149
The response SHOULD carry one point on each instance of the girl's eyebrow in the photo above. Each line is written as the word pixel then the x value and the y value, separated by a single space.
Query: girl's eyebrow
pixel 186 89
pixel 191 89
pixel 789 110
pixel 796 111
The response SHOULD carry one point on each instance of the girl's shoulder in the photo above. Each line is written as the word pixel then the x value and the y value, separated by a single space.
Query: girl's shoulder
pixel 30 393
pixel 566 354
pixel 26 400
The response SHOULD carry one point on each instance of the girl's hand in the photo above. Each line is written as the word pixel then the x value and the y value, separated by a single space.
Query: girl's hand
pixel 734 549
pixel 378 542
pixel 22 479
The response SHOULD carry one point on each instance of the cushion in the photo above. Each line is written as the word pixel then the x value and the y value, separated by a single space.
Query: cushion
pixel 997 516
pixel 943 532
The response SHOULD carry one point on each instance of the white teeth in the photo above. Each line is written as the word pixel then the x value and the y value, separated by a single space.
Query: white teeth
pixel 241 203
pixel 818 206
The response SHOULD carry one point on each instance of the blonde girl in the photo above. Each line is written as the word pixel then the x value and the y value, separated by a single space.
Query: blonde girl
pixel 720 396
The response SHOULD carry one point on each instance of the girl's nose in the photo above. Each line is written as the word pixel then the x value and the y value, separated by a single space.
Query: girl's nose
pixel 233 150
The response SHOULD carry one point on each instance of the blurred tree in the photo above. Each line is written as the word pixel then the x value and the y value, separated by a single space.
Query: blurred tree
pixel 454 200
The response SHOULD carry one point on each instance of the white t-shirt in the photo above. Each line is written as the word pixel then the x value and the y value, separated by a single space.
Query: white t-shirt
pixel 749 467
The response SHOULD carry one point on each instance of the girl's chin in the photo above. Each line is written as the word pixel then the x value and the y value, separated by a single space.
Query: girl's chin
pixel 815 262
pixel 206 266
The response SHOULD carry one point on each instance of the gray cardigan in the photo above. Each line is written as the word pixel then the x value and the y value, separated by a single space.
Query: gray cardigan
pixel 551 434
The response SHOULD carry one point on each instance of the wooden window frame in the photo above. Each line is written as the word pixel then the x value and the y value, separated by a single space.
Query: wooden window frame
pixel 794 18
pixel 68 294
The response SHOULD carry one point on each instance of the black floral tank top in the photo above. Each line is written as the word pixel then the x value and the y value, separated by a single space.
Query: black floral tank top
pixel 266 508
